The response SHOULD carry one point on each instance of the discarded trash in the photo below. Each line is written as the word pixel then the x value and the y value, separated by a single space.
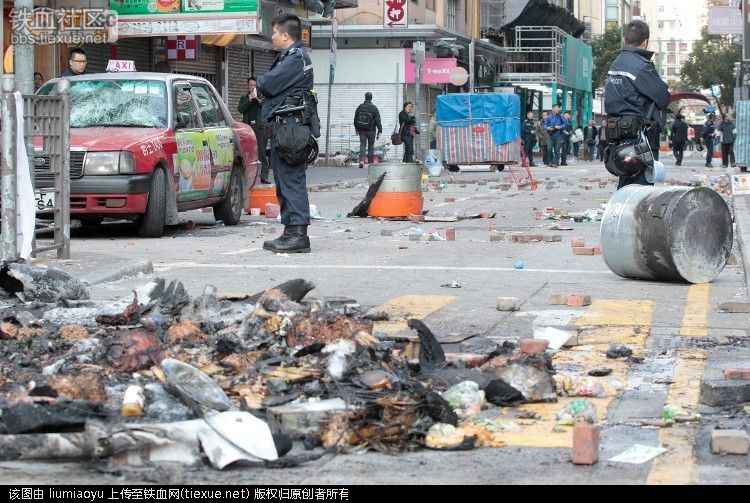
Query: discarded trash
pixel 41 283
pixel 577 410
pixel 638 454
pixel 133 401
pixel 500 393
pixel 452 284
pixel 573 386
pixel 519 264
pixel 531 375
pixel 556 337
pixel 194 386
pixel 619 351
pixel 435 236
pixel 466 398
pixel 599 372
pixel 338 215
pixel 679 414
pixel 315 213
pixel 447 437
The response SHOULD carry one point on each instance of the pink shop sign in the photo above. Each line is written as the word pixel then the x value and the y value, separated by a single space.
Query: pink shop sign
pixel 434 70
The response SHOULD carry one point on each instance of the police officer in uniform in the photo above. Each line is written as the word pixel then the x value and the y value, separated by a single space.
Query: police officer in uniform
pixel 284 87
pixel 634 88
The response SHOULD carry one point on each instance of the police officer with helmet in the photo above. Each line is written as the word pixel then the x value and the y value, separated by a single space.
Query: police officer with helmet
pixel 634 96
pixel 286 109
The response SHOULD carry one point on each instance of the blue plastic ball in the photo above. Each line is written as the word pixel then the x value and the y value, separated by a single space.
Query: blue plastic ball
pixel 519 264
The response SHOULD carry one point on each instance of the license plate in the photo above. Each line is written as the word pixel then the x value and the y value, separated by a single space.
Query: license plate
pixel 45 201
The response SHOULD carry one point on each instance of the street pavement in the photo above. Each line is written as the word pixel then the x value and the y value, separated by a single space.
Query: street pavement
pixel 676 327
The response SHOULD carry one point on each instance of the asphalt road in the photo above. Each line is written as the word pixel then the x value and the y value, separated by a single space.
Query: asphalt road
pixel 676 327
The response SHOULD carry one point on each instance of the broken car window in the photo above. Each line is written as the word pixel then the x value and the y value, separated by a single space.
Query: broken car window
pixel 108 103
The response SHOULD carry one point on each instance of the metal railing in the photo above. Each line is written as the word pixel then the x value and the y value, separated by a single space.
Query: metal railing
pixel 46 130
pixel 536 57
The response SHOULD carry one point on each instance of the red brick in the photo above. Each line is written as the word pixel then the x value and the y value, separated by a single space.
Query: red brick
pixel 577 242
pixel 579 300
pixel 597 250
pixel 470 359
pixel 450 199
pixel 520 238
pixel 536 237
pixel 450 234
pixel 559 299
pixel 532 346
pixel 583 250
pixel 416 218
pixel 737 374
pixel 585 444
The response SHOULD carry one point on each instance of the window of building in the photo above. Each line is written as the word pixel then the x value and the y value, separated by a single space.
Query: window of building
pixel 671 59
pixel 450 14
pixel 671 71
pixel 683 47
pixel 671 46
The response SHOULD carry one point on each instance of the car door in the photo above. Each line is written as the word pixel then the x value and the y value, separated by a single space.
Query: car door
pixel 219 134
pixel 192 162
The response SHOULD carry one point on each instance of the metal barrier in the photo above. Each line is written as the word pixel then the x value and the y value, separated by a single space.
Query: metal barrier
pixel 46 129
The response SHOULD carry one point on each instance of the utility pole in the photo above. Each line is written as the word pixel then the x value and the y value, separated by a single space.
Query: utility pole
pixel 23 54
pixel 419 50
pixel 331 78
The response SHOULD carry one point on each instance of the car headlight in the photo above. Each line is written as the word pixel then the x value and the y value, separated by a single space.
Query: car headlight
pixel 109 163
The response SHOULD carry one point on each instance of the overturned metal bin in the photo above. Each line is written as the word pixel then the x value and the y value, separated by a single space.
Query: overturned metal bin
pixel 666 233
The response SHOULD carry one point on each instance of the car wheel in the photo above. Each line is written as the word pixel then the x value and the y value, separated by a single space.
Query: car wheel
pixel 91 222
pixel 151 224
pixel 230 209
pixel 743 168
pixel 500 167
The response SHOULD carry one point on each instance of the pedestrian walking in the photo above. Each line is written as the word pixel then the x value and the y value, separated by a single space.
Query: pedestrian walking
pixel 634 96
pixel 691 138
pixel 250 107
pixel 542 137
pixel 408 129
pixel 589 141
pixel 528 134
pixel 728 134
pixel 567 133
pixel 286 90
pixel 709 136
pixel 577 141
pixel 678 137
pixel 368 127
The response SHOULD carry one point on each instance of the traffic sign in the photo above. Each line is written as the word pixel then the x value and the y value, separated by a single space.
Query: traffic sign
pixel 395 13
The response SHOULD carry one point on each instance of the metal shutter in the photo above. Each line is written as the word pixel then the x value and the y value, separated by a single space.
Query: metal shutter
pixel 135 49
pixel 346 98
pixel 207 66
pixel 427 98
pixel 262 61
pixel 238 59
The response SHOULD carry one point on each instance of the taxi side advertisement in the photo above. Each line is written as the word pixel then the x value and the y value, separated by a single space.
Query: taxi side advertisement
pixel 203 170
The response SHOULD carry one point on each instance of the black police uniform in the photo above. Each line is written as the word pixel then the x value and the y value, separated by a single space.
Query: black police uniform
pixel 528 134
pixel 290 75
pixel 632 86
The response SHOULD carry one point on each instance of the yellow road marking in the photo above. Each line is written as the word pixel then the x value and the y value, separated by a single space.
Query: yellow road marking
pixel 624 321
pixel 695 320
pixel 402 308
pixel 677 465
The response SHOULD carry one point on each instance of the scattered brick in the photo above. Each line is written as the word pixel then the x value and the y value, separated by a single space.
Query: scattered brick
pixel 450 199
pixel 577 241
pixel 737 374
pixel 585 444
pixel 730 442
pixel 559 299
pixel 553 238
pixel 450 234
pixel 532 346
pixel 583 250
pixel 508 304
pixel 597 250
pixel 496 236
pixel 734 307
pixel 579 300
pixel 386 232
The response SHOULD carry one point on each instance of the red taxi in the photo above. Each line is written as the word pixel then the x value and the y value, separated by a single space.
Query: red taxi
pixel 144 146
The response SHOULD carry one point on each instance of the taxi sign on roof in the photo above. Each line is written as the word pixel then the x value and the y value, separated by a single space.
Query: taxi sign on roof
pixel 120 65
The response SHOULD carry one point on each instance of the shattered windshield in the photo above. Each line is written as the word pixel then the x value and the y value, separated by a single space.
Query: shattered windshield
pixel 124 103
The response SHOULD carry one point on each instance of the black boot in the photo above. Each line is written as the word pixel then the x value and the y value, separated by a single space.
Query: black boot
pixel 272 244
pixel 297 242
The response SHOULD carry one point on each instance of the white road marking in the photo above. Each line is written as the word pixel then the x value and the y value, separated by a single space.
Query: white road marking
pixel 166 266
pixel 240 252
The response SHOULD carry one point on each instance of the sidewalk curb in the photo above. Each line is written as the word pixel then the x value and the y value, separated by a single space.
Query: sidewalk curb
pixel 108 275
pixel 742 219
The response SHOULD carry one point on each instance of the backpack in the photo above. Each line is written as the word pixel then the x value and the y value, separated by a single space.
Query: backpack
pixel 364 120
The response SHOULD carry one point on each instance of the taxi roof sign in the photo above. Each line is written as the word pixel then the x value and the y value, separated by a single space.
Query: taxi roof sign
pixel 120 65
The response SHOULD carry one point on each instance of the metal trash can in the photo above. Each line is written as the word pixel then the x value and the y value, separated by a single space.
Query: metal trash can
pixel 400 194
pixel 666 233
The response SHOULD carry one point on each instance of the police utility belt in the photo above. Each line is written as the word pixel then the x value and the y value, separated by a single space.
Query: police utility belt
pixel 293 127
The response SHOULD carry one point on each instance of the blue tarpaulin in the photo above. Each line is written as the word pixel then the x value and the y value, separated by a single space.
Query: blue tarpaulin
pixel 502 111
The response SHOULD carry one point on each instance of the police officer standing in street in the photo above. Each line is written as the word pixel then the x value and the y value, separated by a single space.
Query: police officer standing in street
pixel 285 87
pixel 634 95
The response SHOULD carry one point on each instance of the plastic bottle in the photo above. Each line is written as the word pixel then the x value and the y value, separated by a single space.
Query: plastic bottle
pixel 133 402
